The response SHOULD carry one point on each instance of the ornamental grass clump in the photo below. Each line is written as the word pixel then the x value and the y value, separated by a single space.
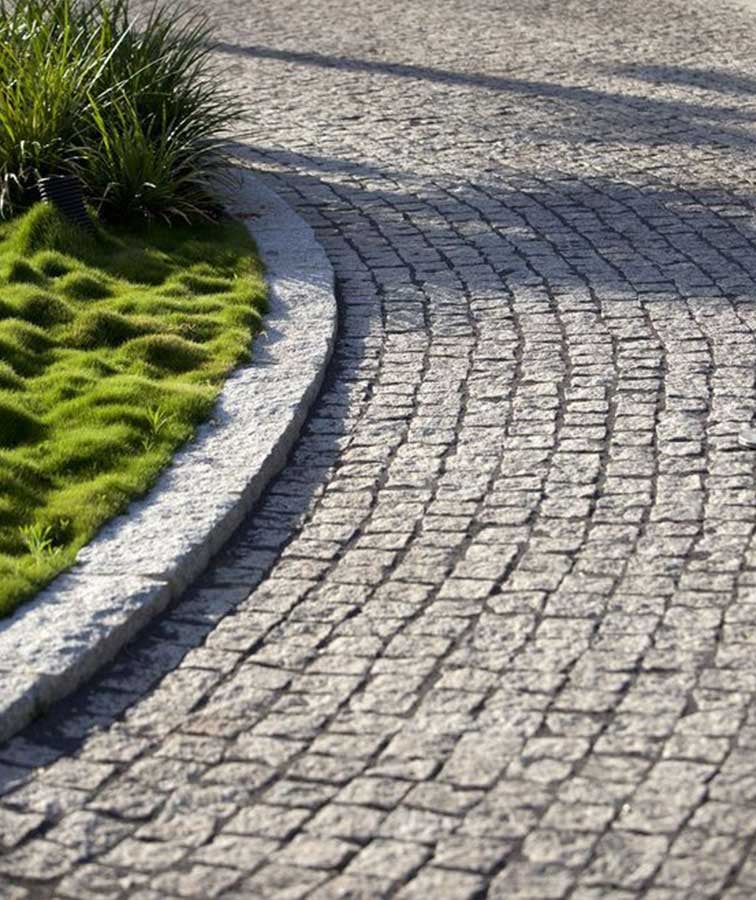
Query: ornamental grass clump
pixel 131 106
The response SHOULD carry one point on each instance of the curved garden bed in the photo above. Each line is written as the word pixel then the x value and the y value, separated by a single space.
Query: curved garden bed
pixel 112 350
pixel 114 344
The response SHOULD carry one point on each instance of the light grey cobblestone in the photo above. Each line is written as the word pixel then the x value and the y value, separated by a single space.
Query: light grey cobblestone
pixel 492 631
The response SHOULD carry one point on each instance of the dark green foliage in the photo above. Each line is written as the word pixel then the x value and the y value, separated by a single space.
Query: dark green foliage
pixel 44 309
pixel 103 328
pixel 20 271
pixel 82 286
pixel 131 106
pixel 17 426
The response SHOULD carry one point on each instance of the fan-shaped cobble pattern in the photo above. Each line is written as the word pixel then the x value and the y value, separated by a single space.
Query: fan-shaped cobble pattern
pixel 492 633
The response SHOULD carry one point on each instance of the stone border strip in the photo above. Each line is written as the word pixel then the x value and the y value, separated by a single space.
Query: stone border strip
pixel 144 559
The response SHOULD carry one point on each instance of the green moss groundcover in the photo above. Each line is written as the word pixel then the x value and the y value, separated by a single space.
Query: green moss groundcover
pixel 112 349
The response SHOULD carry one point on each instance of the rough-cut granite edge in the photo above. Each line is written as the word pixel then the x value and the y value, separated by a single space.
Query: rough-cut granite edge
pixel 142 560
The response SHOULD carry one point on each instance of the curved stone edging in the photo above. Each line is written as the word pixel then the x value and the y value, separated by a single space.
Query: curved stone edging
pixel 143 559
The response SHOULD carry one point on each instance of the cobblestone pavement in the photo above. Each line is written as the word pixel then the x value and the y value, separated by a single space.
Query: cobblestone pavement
pixel 493 631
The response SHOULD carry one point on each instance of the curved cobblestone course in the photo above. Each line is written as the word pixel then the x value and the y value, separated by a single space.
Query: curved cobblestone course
pixel 493 631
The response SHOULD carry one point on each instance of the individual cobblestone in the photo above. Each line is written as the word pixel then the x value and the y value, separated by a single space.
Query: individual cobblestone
pixel 491 633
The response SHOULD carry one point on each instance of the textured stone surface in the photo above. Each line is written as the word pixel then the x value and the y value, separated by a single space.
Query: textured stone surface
pixel 137 563
pixel 491 633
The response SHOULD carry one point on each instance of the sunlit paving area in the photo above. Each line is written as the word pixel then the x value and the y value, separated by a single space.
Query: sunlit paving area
pixel 490 631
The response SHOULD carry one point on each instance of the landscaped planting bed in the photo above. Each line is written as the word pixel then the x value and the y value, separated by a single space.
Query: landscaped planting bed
pixel 112 350
pixel 113 345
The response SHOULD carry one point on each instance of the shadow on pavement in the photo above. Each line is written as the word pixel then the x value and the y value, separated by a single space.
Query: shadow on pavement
pixel 616 115
pixel 707 79
pixel 558 231
pixel 549 235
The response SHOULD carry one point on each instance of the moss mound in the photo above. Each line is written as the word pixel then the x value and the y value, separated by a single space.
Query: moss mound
pixel 17 426
pixel 45 309
pixel 103 328
pixel 83 286
pixel 166 351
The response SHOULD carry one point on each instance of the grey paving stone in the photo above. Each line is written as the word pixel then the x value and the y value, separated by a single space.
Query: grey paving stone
pixel 144 856
pixel 90 882
pixel 197 881
pixel 491 632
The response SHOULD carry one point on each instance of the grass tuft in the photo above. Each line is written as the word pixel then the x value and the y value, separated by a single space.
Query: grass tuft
pixel 9 381
pixel 22 272
pixel 24 362
pixel 17 425
pixel 83 286
pixel 166 352
pixel 203 284
pixel 52 264
pixel 44 309
pixel 144 268
pixel 44 228
pixel 103 328
pixel 27 337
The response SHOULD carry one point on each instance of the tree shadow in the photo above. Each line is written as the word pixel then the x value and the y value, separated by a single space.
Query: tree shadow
pixel 610 115
pixel 708 79
pixel 613 237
